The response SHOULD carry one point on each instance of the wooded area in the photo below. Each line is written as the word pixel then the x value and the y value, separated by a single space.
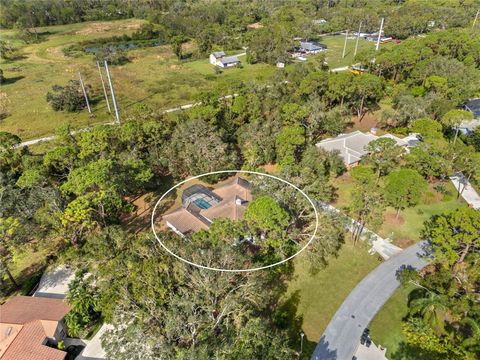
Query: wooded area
pixel 74 198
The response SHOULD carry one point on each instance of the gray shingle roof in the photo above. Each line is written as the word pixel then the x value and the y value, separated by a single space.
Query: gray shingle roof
pixel 229 60
pixel 218 54
pixel 311 46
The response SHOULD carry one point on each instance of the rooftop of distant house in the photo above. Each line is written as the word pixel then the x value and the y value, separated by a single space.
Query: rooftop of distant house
pixel 26 323
pixel 200 205
pixel 218 54
pixel 351 146
pixel 311 46
pixel 229 60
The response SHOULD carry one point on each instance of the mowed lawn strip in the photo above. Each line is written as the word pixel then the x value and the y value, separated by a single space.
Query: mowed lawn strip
pixel 320 295
pixel 386 327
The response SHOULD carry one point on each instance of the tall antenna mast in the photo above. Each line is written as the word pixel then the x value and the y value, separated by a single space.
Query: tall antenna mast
pixel 117 117
pixel 103 87
pixel 379 35
pixel 345 45
pixel 84 93
pixel 358 38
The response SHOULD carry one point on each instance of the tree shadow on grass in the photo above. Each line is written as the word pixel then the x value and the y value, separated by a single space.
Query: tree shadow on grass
pixel 27 281
pixel 12 80
pixel 286 317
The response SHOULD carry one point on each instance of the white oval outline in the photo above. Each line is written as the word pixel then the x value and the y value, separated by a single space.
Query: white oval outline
pixel 235 270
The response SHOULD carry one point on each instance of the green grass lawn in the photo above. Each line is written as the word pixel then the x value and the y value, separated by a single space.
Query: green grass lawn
pixel 335 45
pixel 318 296
pixel 153 77
pixel 344 186
pixel 407 229
pixel 385 328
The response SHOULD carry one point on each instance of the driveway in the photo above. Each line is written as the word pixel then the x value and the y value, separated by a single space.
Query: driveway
pixel 342 335
pixel 468 193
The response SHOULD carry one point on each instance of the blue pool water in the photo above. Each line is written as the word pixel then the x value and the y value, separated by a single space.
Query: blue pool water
pixel 202 204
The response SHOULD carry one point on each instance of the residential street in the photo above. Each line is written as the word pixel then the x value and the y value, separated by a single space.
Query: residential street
pixel 343 333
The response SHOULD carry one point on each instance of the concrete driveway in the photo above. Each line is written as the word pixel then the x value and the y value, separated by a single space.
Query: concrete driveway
pixel 342 335
pixel 467 191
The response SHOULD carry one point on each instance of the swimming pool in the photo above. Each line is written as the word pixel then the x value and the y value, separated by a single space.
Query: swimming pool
pixel 202 204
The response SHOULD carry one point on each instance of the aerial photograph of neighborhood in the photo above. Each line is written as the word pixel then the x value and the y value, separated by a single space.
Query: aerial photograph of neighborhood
pixel 240 179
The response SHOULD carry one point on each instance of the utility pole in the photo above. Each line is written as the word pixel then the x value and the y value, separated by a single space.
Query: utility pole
pixel 379 35
pixel 476 18
pixel 84 93
pixel 103 86
pixel 358 38
pixel 345 45
pixel 117 117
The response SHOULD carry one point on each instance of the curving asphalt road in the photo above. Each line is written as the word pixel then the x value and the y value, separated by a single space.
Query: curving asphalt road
pixel 342 335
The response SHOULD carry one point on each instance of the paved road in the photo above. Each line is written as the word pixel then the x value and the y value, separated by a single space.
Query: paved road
pixel 343 333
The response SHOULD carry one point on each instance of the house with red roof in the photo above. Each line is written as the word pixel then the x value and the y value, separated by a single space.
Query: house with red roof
pixel 30 327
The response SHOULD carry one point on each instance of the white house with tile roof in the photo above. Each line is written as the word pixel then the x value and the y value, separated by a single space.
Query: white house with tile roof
pixel 351 146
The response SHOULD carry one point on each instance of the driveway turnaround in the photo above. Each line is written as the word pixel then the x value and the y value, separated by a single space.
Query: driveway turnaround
pixel 343 333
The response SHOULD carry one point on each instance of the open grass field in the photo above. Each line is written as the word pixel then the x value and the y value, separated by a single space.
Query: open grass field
pixel 153 77
pixel 335 49
pixel 385 329
pixel 318 296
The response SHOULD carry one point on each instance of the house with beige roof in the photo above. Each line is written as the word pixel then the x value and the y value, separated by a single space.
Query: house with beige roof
pixel 201 206
pixel 30 327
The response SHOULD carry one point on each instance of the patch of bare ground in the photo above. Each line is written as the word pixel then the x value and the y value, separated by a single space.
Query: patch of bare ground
pixel 404 243
pixel 102 27
pixel 391 218
pixel 368 121
pixel 139 219
pixel 270 168
pixel 56 52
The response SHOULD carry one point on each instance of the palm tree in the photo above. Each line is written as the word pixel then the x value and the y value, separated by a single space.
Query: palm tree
pixel 432 308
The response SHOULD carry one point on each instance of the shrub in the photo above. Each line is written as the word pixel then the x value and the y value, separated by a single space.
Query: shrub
pixel 447 197
pixel 441 188
pixel 31 282
pixel 113 55
pixel 68 98
pixel 429 197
